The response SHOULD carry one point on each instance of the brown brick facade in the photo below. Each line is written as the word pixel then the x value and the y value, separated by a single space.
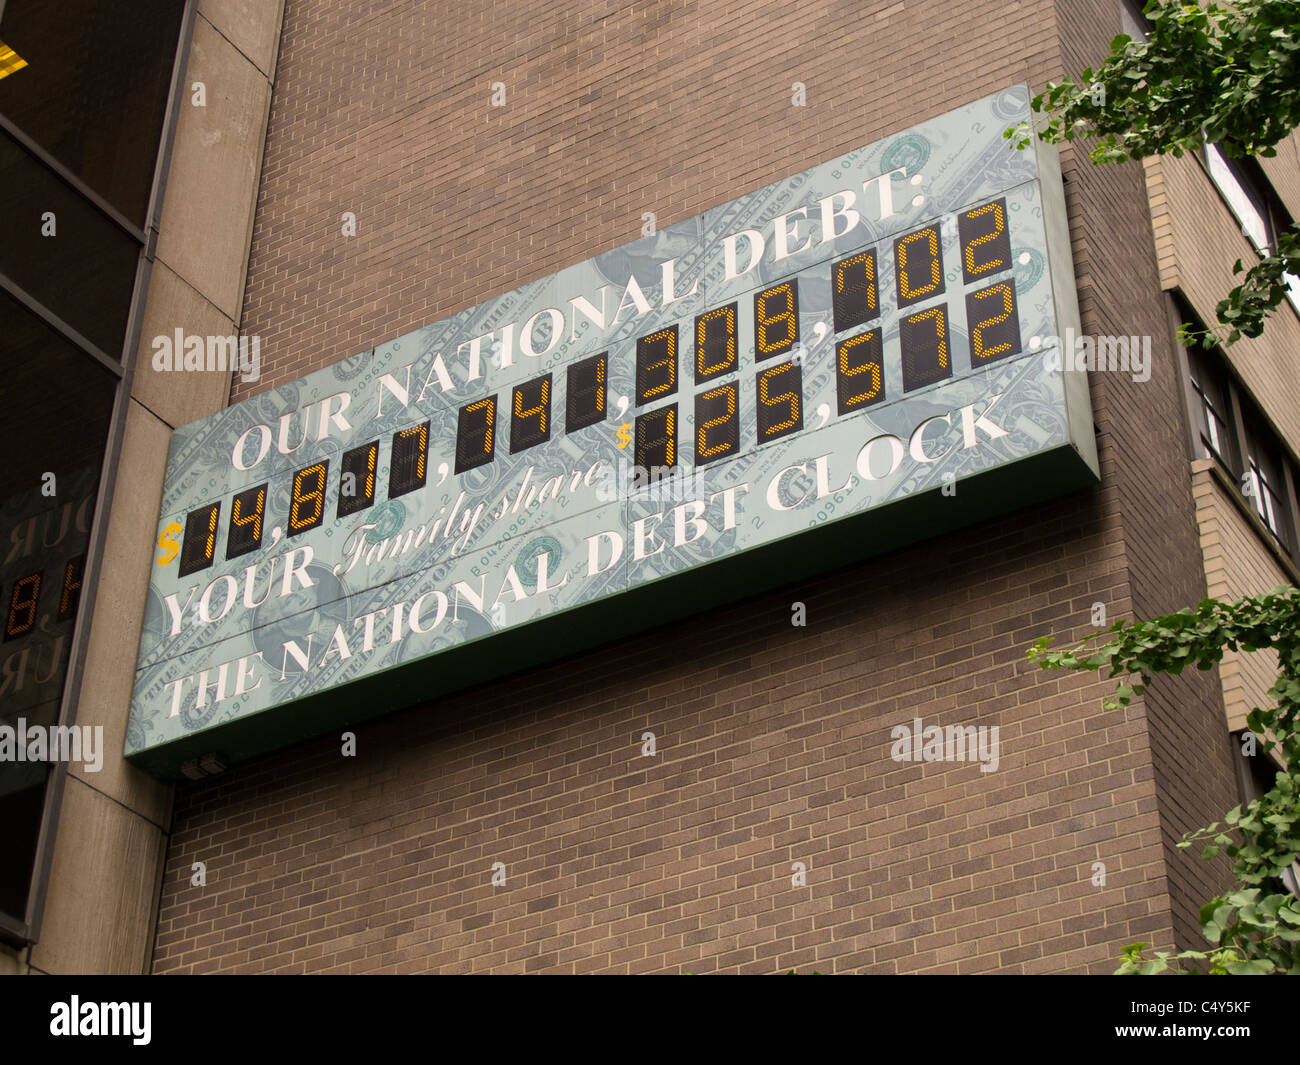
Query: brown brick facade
pixel 772 741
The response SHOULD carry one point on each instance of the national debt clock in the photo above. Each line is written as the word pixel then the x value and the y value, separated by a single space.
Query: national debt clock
pixel 852 359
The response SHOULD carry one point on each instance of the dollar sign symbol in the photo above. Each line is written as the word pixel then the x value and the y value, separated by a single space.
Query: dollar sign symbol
pixel 624 435
pixel 167 541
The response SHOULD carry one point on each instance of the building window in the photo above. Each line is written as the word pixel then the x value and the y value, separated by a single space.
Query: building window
pixel 1259 212
pixel 1267 483
pixel 1132 21
pixel 1256 775
pixel 1213 414
pixel 1231 428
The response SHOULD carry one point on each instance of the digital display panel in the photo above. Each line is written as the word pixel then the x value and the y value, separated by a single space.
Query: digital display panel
pixel 357 479
pixel 780 401
pixel 475 434
pixel 307 498
pixel 776 320
pixel 530 415
pixel 246 522
pixel 70 594
pixel 985 241
pixel 410 466
pixel 715 343
pixel 717 424
pixel 656 365
pixel 926 347
pixel 585 404
pixel 918 266
pixel 656 438
pixel 859 372
pixel 200 542
pixel 994 323
pixel 23 598
pixel 855 295
pixel 856 336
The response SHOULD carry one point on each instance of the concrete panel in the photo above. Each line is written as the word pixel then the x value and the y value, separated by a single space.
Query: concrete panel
pixel 207 218
pixel 100 908
pixel 119 611
pixel 178 397
pixel 252 26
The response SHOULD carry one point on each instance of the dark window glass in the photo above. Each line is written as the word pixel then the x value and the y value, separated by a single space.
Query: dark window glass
pixel 85 271
pixel 57 403
pixel 1213 413
pixel 1264 475
pixel 94 91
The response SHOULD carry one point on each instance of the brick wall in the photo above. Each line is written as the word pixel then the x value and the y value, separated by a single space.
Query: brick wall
pixel 772 749
pixel 773 741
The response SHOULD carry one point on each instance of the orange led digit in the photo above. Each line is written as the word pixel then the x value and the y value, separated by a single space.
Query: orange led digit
pixel 715 343
pixel 475 433
pixel 357 479
pixel 656 365
pixel 859 372
pixel 779 412
pixel 246 522
pixel 717 424
pixel 854 295
pixel 923 338
pixel 984 228
pixel 995 323
pixel 776 320
pixel 200 540
pixel 530 420
pixel 656 438
pixel 22 606
pixel 72 574
pixel 920 265
pixel 307 508
pixel 409 467
pixel 585 403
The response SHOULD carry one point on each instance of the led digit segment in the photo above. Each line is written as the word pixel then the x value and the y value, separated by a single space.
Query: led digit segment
pixel 307 500
pixel 780 401
pixel 70 594
pixel 200 540
pixel 919 266
pixel 985 242
pixel 409 468
pixel 994 323
pixel 715 343
pixel 924 339
pixel 776 320
pixel 530 415
pixel 585 403
pixel 357 478
pixel 656 365
pixel 855 296
pixel 656 438
pixel 475 434
pixel 859 372
pixel 246 522
pixel 717 424
pixel 22 606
